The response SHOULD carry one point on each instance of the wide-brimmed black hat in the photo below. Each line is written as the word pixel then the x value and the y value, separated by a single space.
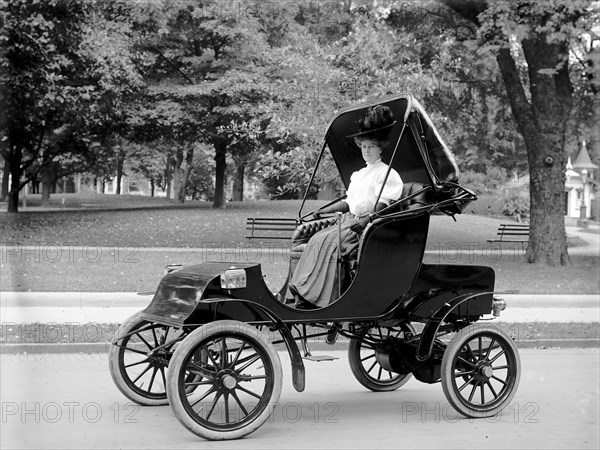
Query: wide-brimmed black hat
pixel 375 124
pixel 376 133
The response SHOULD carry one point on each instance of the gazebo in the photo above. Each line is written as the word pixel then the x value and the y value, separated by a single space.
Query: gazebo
pixel 581 186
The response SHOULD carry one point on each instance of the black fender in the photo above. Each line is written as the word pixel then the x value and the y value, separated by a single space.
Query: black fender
pixel 298 371
pixel 433 324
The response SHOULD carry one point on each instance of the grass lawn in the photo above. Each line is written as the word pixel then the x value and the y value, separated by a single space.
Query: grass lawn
pixel 107 248
pixel 130 270
pixel 131 221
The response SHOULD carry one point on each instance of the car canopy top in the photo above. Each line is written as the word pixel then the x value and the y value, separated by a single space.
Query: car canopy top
pixel 414 148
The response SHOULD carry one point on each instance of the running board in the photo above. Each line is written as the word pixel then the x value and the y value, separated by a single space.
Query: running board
pixel 307 354
pixel 320 358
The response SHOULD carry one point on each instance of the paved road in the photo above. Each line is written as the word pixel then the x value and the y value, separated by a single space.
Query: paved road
pixel 69 401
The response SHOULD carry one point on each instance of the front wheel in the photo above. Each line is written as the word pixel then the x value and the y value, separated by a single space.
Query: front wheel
pixel 139 358
pixel 362 356
pixel 480 371
pixel 233 389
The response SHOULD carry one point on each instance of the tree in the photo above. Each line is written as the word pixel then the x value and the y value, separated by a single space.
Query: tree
pixel 245 139
pixel 201 185
pixel 167 118
pixel 531 43
pixel 63 71
pixel 209 63
pixel 307 90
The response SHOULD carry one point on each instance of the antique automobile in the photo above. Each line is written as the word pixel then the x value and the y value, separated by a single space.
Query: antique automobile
pixel 206 343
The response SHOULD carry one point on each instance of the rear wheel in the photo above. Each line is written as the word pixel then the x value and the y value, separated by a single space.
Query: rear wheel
pixel 238 384
pixel 362 355
pixel 480 370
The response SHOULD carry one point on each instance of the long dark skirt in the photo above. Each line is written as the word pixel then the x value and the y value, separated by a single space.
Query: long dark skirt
pixel 316 274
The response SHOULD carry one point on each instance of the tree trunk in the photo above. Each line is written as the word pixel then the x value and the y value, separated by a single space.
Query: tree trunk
pixel 238 183
pixel 48 175
pixel 5 177
pixel 182 173
pixel 185 176
pixel 152 187
pixel 168 176
pixel 35 185
pixel 221 166
pixel 177 174
pixel 120 162
pixel 45 192
pixel 15 178
pixel 542 122
pixel 13 198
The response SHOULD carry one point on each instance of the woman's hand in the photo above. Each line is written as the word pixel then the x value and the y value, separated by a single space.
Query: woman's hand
pixel 360 224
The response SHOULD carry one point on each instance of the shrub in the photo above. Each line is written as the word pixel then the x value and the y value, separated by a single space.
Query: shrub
pixel 489 182
pixel 514 202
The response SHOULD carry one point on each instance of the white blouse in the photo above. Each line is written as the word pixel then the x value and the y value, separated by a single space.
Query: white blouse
pixel 365 185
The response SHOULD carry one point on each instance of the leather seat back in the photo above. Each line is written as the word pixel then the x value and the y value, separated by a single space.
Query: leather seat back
pixel 418 201
pixel 305 231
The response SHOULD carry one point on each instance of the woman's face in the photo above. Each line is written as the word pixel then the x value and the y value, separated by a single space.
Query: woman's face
pixel 371 151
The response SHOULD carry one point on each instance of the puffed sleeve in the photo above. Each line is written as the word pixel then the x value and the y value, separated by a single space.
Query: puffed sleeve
pixel 352 185
pixel 393 187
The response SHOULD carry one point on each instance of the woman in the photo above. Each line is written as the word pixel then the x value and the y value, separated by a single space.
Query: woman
pixel 315 278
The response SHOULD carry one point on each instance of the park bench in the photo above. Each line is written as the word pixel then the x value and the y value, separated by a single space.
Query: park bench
pixel 270 228
pixel 513 232
pixel 56 203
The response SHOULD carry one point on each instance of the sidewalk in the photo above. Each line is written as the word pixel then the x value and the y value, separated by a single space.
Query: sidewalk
pixel 73 322
pixel 591 236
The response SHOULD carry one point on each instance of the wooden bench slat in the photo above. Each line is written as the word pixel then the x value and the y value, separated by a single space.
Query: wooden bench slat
pixel 270 227
pixel 277 225
pixel 257 219
pixel 510 232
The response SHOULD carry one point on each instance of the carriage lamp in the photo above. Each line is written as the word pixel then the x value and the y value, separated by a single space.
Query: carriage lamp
pixel 498 306
pixel 233 278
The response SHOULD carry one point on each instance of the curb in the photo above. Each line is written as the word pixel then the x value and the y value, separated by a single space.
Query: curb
pixel 43 319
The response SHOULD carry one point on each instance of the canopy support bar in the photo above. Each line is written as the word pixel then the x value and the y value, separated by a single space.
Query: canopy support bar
pixel 312 177
pixel 389 169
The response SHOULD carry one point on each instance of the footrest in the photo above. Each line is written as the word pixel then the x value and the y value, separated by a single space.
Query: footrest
pixel 319 358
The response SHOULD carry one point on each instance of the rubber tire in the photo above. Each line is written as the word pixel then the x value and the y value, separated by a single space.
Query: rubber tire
pixel 363 377
pixel 114 365
pixel 455 346
pixel 229 328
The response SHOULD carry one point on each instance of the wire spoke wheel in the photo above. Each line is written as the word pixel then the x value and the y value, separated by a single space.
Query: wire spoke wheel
pixel 224 380
pixel 480 371
pixel 138 361
pixel 362 355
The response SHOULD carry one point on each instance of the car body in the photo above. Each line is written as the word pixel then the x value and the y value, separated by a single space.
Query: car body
pixel 410 318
